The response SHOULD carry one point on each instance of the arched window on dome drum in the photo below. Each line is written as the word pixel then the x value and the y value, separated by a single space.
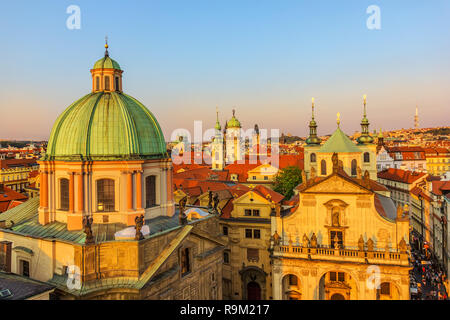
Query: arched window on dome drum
pixel 366 157
pixel 97 83
pixel 105 195
pixel 150 191
pixel 323 168
pixel 64 194
pixel 107 83
pixel 313 157
pixel 354 167
pixel 117 84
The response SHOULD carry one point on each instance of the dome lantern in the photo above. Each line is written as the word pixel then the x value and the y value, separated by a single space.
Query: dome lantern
pixel 106 74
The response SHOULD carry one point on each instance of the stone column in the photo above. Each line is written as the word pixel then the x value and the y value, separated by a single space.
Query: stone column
pixel 276 283
pixel 80 192
pixel 71 192
pixel 139 190
pixel 44 189
pixel 129 190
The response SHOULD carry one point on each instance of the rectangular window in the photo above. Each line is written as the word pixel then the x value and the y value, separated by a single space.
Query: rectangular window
pixel 25 268
pixel 225 230
pixel 248 233
pixel 248 212
pixel 107 83
pixel 226 257
pixel 341 277
pixel 266 178
pixel 332 276
pixel 257 234
pixel 256 213
pixel 254 177
pixel 150 191
pixel 339 235
pixel 385 288
pixel 185 263
pixel 252 254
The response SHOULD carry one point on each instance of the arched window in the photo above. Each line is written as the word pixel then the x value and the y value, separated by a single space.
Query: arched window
pixel 105 195
pixel 293 280
pixel 64 194
pixel 150 191
pixel 97 83
pixel 366 157
pixel 226 257
pixel 354 172
pixel 313 157
pixel 106 82
pixel 323 167
pixel 117 84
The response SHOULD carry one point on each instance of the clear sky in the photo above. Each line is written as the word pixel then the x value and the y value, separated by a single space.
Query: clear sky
pixel 266 58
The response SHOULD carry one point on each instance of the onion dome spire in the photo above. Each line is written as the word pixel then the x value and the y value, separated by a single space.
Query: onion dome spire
pixel 365 137
pixel 313 139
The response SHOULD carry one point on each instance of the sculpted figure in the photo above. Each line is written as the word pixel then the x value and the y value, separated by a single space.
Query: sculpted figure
pixel 87 224
pixel 139 223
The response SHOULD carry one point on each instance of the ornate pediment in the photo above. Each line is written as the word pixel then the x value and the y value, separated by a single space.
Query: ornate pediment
pixel 336 184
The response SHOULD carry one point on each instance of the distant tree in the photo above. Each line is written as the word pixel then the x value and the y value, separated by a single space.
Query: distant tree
pixel 286 180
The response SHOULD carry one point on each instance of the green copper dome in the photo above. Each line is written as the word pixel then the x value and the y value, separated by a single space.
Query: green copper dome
pixel 106 126
pixel 106 63
pixel 233 123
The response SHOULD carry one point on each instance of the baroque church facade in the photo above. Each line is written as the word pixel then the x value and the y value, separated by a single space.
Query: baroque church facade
pixel 105 225
pixel 344 239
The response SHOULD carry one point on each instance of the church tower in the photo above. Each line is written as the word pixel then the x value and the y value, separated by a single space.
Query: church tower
pixel 233 140
pixel 217 146
pixel 312 145
pixel 367 146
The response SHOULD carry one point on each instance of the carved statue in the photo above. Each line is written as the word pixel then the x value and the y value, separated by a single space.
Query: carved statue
pixel 304 180
pixel 341 165
pixel 87 224
pixel 182 215
pixel 305 241
pixel 361 243
pixel 216 202
pixel 313 241
pixel 358 172
pixel 336 241
pixel 366 179
pixel 335 217
pixel 139 223
pixel 276 238
pixel 402 245
pixel 210 199
pixel 370 244
pixel 312 175
pixel 335 161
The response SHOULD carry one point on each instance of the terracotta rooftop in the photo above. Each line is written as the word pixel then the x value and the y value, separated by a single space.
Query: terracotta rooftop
pixel 400 175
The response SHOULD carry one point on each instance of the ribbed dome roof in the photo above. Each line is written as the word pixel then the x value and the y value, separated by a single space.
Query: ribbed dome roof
pixel 106 126
pixel 106 63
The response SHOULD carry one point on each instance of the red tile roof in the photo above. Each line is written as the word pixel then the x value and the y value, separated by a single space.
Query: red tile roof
pixel 400 175
pixel 10 163
pixel 7 196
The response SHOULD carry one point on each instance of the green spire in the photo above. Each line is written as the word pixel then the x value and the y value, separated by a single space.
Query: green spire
pixel 313 139
pixel 365 137
pixel 217 127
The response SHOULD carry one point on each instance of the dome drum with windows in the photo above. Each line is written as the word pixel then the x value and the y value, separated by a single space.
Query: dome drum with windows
pixel 106 158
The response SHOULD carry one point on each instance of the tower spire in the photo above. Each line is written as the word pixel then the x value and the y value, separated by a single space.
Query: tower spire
pixel 217 127
pixel 365 135
pixel 106 47
pixel 313 139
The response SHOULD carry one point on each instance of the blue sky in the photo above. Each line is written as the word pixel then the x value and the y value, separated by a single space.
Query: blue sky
pixel 266 58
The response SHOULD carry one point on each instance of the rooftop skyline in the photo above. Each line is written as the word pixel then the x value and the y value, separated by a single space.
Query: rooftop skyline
pixel 263 58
